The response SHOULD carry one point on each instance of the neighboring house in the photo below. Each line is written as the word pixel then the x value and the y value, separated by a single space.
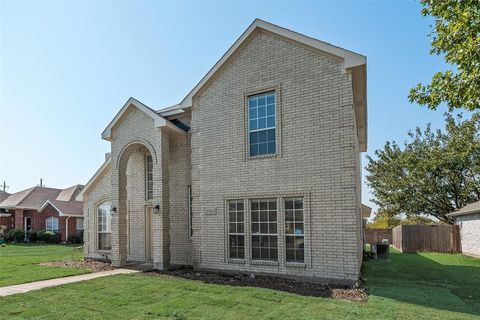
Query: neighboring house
pixel 6 219
pixel 468 220
pixel 256 170
pixel 41 208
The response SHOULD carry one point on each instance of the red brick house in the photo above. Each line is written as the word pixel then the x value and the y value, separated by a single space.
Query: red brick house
pixel 5 218
pixel 41 208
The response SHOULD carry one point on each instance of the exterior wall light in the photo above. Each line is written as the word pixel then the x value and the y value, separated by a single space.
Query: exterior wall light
pixel 113 210
pixel 156 209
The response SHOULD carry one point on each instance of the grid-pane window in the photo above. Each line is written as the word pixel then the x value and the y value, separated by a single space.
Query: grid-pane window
pixel 190 211
pixel 261 124
pixel 104 226
pixel 51 223
pixel 294 230
pixel 236 229
pixel 264 229
pixel 149 177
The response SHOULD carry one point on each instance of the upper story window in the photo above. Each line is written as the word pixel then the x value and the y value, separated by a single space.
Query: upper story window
pixel 51 223
pixel 261 124
pixel 149 177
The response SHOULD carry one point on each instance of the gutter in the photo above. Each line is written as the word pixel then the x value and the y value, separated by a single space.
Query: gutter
pixel 66 228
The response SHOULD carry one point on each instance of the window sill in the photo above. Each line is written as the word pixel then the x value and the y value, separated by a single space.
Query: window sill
pixel 263 156
pixel 264 263
pixel 236 261
pixel 300 265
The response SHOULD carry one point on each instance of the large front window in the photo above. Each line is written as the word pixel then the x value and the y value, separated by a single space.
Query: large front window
pixel 294 230
pixel 261 124
pixel 51 224
pixel 104 226
pixel 264 229
pixel 236 229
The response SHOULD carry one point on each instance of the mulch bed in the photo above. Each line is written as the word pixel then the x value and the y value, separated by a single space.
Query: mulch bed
pixel 93 265
pixel 282 284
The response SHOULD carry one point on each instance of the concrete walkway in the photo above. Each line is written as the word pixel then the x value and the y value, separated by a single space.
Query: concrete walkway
pixel 26 287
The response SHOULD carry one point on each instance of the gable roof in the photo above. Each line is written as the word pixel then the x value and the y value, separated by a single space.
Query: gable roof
pixel 3 195
pixel 64 208
pixel 158 120
pixel 69 194
pixel 32 198
pixel 352 62
pixel 350 58
pixel 468 209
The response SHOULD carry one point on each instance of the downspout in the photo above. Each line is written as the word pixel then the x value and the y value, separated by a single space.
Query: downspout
pixel 66 229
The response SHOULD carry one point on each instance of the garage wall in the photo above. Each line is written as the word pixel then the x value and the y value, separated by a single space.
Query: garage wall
pixel 469 235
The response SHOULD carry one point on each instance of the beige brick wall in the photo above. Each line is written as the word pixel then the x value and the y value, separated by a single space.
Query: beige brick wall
pixel 136 204
pixel 318 159
pixel 318 156
pixel 99 193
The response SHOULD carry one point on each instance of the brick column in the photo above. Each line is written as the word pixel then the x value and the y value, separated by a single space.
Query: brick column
pixel 19 219
pixel 161 220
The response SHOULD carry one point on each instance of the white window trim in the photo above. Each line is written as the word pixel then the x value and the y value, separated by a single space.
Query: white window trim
pixel 280 200
pixel 244 234
pixel 97 232
pixel 277 234
pixel 51 220
pixel 285 235
pixel 278 122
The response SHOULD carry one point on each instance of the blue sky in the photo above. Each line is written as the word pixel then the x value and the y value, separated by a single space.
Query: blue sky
pixel 67 68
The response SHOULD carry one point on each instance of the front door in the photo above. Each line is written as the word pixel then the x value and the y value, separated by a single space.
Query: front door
pixel 148 234
pixel 27 226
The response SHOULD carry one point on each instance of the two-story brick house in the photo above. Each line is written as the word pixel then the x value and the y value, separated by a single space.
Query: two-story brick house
pixel 256 170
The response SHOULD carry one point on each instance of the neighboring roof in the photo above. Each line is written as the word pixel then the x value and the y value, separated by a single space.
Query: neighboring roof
pixel 69 194
pixel 366 211
pixel 64 208
pixel 92 182
pixel 471 208
pixel 32 198
pixel 352 62
pixel 158 120
pixel 3 195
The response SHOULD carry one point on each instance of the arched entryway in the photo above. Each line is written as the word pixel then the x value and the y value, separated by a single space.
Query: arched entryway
pixel 135 168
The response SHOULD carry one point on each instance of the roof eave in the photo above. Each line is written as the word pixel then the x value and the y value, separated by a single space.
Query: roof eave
pixel 159 121
pixel 350 59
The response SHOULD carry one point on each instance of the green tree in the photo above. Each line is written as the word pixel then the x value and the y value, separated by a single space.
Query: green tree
pixel 433 174
pixel 456 37
pixel 384 220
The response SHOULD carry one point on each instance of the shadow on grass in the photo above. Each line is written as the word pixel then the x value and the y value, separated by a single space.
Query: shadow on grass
pixel 441 281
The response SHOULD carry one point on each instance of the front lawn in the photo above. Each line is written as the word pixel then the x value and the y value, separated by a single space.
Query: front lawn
pixel 19 262
pixel 410 286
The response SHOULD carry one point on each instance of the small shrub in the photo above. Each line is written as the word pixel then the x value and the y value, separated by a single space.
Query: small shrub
pixel 40 235
pixel 75 239
pixel 52 237
pixel 15 235
pixel 32 236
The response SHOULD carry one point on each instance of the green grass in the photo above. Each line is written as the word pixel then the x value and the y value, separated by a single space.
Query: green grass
pixel 19 263
pixel 410 286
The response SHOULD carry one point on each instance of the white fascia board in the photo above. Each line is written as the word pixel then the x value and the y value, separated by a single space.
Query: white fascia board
pixel 171 112
pixel 91 182
pixel 159 121
pixel 350 58
pixel 60 213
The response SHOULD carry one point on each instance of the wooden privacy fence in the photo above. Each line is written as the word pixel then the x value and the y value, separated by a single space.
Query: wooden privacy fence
pixel 377 235
pixel 435 238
